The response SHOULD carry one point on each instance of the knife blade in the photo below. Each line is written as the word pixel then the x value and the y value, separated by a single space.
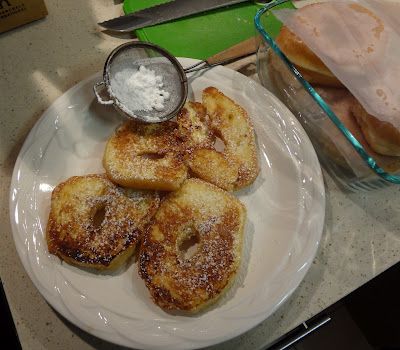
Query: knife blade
pixel 164 12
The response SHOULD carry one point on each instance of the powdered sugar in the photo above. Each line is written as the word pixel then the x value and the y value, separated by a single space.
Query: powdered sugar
pixel 140 90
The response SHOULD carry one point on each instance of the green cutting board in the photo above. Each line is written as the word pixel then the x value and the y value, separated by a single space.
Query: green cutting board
pixel 201 36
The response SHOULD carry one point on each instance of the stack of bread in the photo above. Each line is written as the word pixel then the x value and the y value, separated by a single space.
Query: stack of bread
pixel 379 138
pixel 165 189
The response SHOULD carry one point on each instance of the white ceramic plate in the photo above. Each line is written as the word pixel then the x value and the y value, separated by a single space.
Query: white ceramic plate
pixel 285 206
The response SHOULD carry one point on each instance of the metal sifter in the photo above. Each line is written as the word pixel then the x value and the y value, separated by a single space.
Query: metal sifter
pixel 126 60
pixel 130 57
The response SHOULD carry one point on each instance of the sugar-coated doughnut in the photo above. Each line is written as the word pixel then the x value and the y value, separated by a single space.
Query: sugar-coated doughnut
pixel 145 156
pixel 94 223
pixel 232 125
pixel 212 217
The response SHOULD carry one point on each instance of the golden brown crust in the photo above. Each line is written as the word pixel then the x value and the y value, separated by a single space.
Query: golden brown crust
pixel 73 234
pixel 306 61
pixel 200 155
pixel 231 124
pixel 226 169
pixel 145 156
pixel 188 142
pixel 217 218
pixel 382 136
pixel 214 167
pixel 194 127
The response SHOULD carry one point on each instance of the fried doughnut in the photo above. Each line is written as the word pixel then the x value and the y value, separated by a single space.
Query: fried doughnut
pixel 209 215
pixel 194 129
pixel 201 157
pixel 93 223
pixel 145 156
pixel 231 124
pixel 213 167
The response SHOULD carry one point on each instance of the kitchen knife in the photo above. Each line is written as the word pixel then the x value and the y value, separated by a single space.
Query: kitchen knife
pixel 164 12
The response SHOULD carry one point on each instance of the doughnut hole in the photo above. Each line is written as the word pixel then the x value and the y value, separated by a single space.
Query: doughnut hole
pixel 99 216
pixel 152 155
pixel 188 243
pixel 219 144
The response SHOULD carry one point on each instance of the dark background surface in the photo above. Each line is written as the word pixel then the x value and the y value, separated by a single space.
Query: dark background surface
pixel 366 319
pixel 7 328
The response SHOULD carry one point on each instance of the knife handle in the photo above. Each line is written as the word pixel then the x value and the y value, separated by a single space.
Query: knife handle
pixel 244 48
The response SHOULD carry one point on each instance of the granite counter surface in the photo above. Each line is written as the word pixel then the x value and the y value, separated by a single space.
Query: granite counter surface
pixel 42 60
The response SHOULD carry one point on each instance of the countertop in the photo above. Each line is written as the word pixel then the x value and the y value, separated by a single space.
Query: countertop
pixel 42 60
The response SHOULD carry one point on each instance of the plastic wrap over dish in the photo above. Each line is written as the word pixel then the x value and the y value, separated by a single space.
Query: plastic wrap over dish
pixel 360 43
pixel 359 148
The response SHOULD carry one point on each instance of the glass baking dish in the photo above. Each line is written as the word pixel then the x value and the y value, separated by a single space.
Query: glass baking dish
pixel 339 151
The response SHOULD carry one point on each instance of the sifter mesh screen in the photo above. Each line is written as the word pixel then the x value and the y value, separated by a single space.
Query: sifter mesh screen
pixel 128 59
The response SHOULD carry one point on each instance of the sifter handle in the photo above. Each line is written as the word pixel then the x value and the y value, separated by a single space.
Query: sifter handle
pixel 242 49
pixel 96 92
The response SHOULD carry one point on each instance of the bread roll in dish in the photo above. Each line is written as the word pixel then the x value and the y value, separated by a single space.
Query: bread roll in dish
pixel 343 104
pixel 326 136
pixel 378 137
pixel 306 61
pixel 381 136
